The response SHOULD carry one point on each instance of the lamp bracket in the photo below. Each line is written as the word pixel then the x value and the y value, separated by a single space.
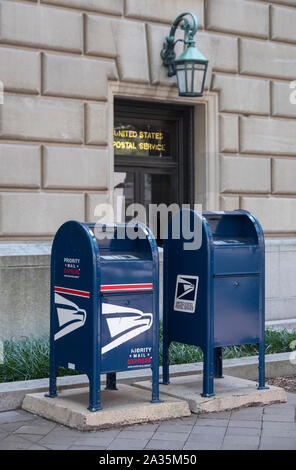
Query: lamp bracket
pixel 190 28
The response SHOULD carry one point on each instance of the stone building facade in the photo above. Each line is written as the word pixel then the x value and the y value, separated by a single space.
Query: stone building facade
pixel 62 64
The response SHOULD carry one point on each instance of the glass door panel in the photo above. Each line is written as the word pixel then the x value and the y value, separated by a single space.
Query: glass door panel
pixel 124 194
pixel 158 189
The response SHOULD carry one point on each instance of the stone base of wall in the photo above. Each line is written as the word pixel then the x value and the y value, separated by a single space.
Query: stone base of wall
pixel 25 280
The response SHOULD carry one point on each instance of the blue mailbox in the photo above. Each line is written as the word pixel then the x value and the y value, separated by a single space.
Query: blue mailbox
pixel 214 295
pixel 104 304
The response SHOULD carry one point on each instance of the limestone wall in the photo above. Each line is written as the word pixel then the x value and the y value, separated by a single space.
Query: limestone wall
pixel 57 58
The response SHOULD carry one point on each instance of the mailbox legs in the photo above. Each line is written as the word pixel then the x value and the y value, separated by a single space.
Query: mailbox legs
pixel 52 384
pixel 218 363
pixel 111 381
pixel 261 367
pixel 165 362
pixel 208 373
pixel 52 370
pixel 95 393
pixel 155 381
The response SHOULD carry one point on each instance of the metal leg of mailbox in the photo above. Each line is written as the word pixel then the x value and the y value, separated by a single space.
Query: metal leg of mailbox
pixel 165 363
pixel 52 384
pixel 155 368
pixel 155 383
pixel 52 371
pixel 218 363
pixel 94 392
pixel 111 381
pixel 208 373
pixel 261 367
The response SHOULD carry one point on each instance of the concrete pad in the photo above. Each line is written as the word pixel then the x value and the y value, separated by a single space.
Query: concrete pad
pixel 12 394
pixel 125 406
pixel 230 393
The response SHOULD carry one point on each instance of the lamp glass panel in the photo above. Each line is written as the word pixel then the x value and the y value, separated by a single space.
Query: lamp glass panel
pixel 199 78
pixel 181 77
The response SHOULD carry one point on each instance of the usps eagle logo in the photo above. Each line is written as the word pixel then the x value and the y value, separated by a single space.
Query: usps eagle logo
pixel 70 316
pixel 124 323
pixel 186 293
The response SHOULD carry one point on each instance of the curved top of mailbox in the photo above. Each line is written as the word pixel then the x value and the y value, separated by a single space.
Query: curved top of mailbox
pixel 73 231
pixel 236 227
pixel 132 236
pixel 112 237
pixel 220 228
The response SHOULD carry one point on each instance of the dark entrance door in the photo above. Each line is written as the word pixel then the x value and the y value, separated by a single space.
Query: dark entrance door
pixel 153 152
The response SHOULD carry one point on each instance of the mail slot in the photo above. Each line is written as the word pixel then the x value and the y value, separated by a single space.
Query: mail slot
pixel 214 294
pixel 104 304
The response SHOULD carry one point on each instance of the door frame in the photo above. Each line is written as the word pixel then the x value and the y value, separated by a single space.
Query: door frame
pixel 182 144
pixel 206 151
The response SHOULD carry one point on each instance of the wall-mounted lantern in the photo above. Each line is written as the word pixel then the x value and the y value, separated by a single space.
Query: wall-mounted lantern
pixel 191 66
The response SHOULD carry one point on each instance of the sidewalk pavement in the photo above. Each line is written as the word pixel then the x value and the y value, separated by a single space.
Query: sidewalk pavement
pixel 270 427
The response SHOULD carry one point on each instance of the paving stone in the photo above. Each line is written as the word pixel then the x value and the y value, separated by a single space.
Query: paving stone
pixel 124 444
pixel 29 437
pixel 77 447
pixel 37 447
pixel 127 434
pixel 221 415
pixel 254 414
pixel 218 431
pixel 11 427
pixel 3 434
pixel 238 447
pixel 233 431
pixel 210 438
pixel 105 433
pixel 241 440
pixel 57 447
pixel 164 445
pixel 141 427
pixel 245 423
pixel 14 443
pixel 94 441
pixel 212 422
pixel 279 418
pixel 278 432
pixel 40 429
pixel 176 422
pixel 64 437
pixel 201 446
pixel 14 416
pixel 279 425
pixel 291 397
pixel 170 436
pixel 177 428
pixel 277 443
pixel 191 420
pixel 279 409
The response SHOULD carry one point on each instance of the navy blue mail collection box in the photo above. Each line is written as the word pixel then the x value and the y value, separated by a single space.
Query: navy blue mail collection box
pixel 214 295
pixel 104 304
